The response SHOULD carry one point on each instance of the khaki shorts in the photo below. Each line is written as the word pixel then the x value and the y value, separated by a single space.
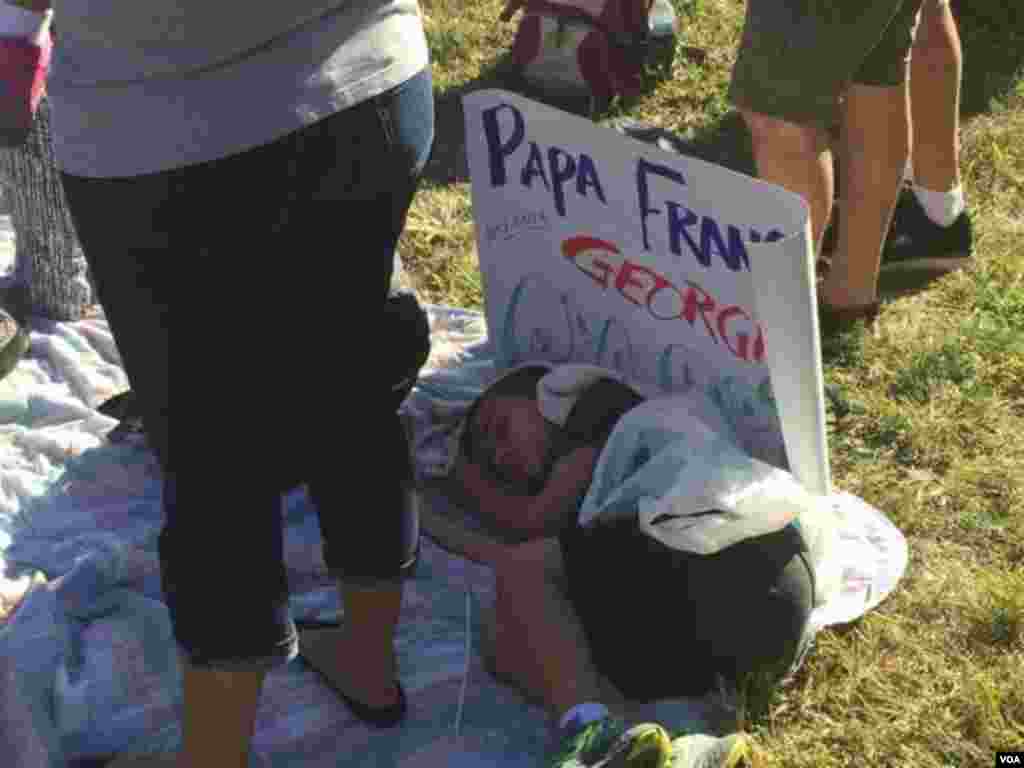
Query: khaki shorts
pixel 797 57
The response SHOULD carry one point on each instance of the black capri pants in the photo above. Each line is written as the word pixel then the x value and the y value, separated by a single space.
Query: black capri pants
pixel 269 272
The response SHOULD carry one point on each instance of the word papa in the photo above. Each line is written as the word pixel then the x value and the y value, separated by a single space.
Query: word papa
pixel 561 171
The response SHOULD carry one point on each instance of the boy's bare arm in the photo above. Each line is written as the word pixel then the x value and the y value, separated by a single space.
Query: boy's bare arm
pixel 474 489
pixel 460 540
pixel 549 511
pixel 518 517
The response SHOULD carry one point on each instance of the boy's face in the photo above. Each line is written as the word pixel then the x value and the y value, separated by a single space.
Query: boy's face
pixel 514 441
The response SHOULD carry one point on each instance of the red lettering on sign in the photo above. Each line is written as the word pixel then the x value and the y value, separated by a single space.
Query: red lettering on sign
pixel 641 286
pixel 595 258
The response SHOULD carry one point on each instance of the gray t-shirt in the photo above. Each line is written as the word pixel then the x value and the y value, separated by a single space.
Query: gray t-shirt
pixel 141 87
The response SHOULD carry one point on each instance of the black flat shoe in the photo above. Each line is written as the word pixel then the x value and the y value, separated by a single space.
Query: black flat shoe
pixel 378 717
pixel 319 649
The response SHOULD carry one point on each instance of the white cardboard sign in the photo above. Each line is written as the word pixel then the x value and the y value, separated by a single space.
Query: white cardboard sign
pixel 678 273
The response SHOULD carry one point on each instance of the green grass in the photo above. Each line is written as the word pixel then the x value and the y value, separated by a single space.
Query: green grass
pixel 925 413
pixel 929 370
pixel 446 45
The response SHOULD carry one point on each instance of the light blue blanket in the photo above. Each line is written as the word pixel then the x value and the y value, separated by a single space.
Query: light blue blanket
pixel 87 663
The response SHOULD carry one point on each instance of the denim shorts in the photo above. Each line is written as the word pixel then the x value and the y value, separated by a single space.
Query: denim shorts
pixel 796 57
pixel 275 264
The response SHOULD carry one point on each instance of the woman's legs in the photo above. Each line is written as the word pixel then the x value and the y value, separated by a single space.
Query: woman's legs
pixel 371 548
pixel 212 239
pixel 228 603
pixel 220 710
pixel 363 170
pixel 936 67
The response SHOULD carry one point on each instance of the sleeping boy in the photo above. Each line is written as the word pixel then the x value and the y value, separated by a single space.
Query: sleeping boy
pixel 586 614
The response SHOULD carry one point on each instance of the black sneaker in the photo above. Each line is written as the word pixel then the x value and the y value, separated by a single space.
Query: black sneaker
pixel 916 243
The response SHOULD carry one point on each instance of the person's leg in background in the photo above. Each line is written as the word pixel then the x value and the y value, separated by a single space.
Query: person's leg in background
pixel 875 144
pixel 936 66
pixel 931 225
pixel 784 112
pixel 791 70
pixel 796 157
pixel 361 171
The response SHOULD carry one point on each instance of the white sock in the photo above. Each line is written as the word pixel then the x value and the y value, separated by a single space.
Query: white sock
pixel 943 208
pixel 584 714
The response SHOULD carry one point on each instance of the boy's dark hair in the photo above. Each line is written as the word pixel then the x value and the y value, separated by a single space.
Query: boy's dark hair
pixel 521 383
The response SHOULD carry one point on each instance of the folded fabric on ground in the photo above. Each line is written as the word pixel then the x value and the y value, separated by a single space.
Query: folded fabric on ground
pixel 88 667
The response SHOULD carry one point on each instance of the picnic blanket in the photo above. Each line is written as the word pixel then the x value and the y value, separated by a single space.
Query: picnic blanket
pixel 87 663
pixel 88 667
